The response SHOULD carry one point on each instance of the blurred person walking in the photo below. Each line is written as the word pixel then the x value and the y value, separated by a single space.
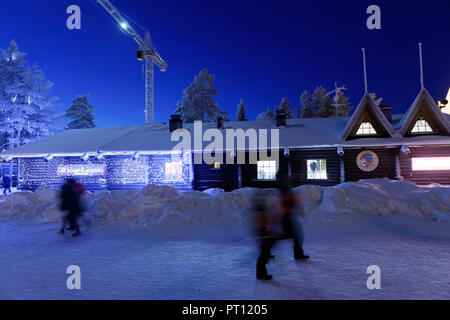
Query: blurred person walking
pixel 262 230
pixel 6 183
pixel 291 223
pixel 70 196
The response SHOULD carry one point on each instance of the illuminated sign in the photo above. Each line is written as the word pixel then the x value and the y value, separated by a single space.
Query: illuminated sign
pixel 81 170
pixel 431 164
pixel 367 160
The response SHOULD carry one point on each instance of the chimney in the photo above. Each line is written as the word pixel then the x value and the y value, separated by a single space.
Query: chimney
pixel 281 119
pixel 175 122
pixel 387 111
pixel 219 123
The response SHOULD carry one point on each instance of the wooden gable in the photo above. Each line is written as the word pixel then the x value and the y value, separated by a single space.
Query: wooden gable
pixel 425 108
pixel 369 111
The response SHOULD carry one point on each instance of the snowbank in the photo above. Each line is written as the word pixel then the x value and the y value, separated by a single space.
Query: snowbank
pixel 167 209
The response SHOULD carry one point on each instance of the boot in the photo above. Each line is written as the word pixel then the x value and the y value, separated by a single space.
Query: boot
pixel 61 231
pixel 299 254
pixel 261 272
pixel 77 233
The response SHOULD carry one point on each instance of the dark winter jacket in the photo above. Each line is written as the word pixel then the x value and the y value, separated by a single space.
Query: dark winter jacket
pixel 70 200
pixel 6 182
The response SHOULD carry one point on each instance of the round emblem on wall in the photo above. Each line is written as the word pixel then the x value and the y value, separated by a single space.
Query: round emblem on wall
pixel 367 160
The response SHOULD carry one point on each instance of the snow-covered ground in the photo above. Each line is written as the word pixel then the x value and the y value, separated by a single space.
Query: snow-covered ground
pixel 161 244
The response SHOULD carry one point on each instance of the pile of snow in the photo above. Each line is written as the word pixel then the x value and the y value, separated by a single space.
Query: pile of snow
pixel 387 198
pixel 167 209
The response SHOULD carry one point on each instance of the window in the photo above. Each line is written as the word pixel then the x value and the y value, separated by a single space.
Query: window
pixel 316 169
pixel 365 129
pixel 174 171
pixel 421 126
pixel 267 170
pixel 431 164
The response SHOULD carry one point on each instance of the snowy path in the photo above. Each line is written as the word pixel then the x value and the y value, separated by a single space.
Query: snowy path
pixel 123 264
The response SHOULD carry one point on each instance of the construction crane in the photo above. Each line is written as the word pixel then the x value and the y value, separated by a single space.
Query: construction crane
pixel 145 53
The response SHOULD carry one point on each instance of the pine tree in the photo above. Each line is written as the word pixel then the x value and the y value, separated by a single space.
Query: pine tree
pixel 241 113
pixel 305 102
pixel 3 141
pixel 198 100
pixel 344 107
pixel 81 113
pixel 268 115
pixel 285 108
pixel 321 103
pixel 26 111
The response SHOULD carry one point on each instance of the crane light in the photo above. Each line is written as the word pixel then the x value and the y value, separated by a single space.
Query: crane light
pixel 124 25
pixel 140 55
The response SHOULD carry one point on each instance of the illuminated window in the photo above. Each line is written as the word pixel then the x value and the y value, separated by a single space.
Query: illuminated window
pixel 216 165
pixel 174 171
pixel 431 164
pixel 267 170
pixel 316 169
pixel 421 126
pixel 365 129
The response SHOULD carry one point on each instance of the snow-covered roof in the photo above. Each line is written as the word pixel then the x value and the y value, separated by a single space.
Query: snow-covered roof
pixel 72 141
pixel 155 137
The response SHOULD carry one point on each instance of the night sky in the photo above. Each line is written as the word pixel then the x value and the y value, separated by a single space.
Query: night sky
pixel 259 51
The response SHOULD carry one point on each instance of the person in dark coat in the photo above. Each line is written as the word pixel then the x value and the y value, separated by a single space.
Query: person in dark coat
pixel 6 183
pixel 71 204
pixel 291 225
pixel 264 235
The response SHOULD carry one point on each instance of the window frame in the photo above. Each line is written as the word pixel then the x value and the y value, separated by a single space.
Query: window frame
pixel 425 125
pixel 320 170
pixel 370 128
pixel 269 167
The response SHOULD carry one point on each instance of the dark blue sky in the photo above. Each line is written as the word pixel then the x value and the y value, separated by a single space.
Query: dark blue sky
pixel 259 51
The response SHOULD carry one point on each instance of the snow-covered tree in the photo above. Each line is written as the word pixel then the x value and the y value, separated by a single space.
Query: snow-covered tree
pixel 241 113
pixel 198 100
pixel 305 109
pixel 285 108
pixel 344 107
pixel 81 114
pixel 374 97
pixel 3 141
pixel 26 111
pixel 321 102
pixel 268 115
